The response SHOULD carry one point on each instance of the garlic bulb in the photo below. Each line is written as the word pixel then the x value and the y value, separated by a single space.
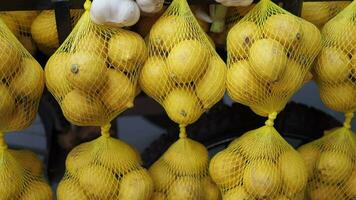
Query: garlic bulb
pixel 117 13
pixel 230 3
pixel 150 6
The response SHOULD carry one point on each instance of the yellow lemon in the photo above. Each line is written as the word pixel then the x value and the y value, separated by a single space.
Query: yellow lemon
pixel 187 188
pixel 86 72
pixel 136 185
pixel 127 51
pixel 284 28
pixel 333 65
pixel 38 190
pixel 161 175
pixel 7 105
pixel 262 178
pixel 319 17
pixel 237 193
pixel 337 97
pixel 11 176
pixel 334 167
pixel 98 182
pixel 29 81
pixel 154 79
pixel 92 43
pixel 188 156
pixel 210 190
pixel 327 193
pixel 310 154
pixel 25 18
pixel 79 157
pixel 211 87
pixel 226 169
pixel 310 42
pixel 350 185
pixel 158 196
pixel 187 61
pixel 10 58
pixel 81 109
pixel 182 106
pixel 29 161
pixel 11 23
pixel 241 37
pixel 68 189
pixel 268 59
pixel 118 92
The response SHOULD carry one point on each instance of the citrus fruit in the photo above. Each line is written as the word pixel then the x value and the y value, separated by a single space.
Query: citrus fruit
pixel 154 78
pixel 310 154
pixel 182 106
pixel 337 97
pixel 24 18
pixel 68 189
pixel 10 58
pixel 210 190
pixel 136 185
pixel 11 175
pixel 292 78
pixel 187 188
pixel 237 193
pixel 38 190
pixel 158 196
pixel 127 51
pixel 241 37
pixel 29 81
pixel 29 161
pixel 310 42
pixel 350 185
pixel 327 193
pixel 161 175
pixel 334 167
pixel 187 61
pixel 79 157
pixel 268 59
pixel 211 87
pixel 7 105
pixel 92 43
pixel 11 23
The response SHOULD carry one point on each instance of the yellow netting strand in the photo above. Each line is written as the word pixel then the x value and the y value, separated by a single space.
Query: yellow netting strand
pixel 271 118
pixel 182 131
pixel 348 119
pixel 105 130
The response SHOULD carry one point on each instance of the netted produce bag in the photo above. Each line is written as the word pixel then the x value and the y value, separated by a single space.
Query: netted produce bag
pixel 19 22
pixel 321 12
pixel 270 52
pixel 335 70
pixel 44 30
pixel 331 164
pixel 93 76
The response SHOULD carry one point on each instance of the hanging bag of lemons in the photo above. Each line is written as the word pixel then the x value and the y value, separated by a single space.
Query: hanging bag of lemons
pixel 270 52
pixel 187 77
pixel 22 83
pixel 331 160
pixel 93 76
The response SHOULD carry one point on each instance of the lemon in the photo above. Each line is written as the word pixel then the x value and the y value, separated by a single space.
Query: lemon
pixel 259 110
pixel 119 91
pixel 182 106
pixel 337 97
pixel 211 87
pixel 55 75
pixel 242 85
pixel 32 74
pixel 334 167
pixel 44 31
pixel 350 185
pixel 38 190
pixel 10 58
pixel 11 23
pixel 29 44
pixel 86 71
pixel 158 196
pixel 154 78
pixel 25 18
pixel 284 28
pixel 237 193
pixel 353 61
pixel 29 161
pixel 136 185
pixel 341 32
pixel 261 178
pixel 92 43
pixel 161 175
pixel 281 197
pixel 187 188
pixel 293 171
pixel 210 190
pixel 7 105
pixel 98 182
pixel 187 61
pixel 292 78
pixel 68 189
pixel 268 59
pixel 327 193
pixel 226 169
pixel 22 117
pixel 11 176
pixel 127 51
pixel 80 109
pixel 187 156
pixel 167 32
pixel 241 37
pixel 310 42
pixel 79 157
pixel 318 18
pixel 310 154
pixel 333 65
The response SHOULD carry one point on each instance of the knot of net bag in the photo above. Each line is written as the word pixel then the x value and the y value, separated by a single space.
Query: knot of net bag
pixel 105 130
pixel 348 119
pixel 3 144
pixel 87 5
pixel 182 131
pixel 271 118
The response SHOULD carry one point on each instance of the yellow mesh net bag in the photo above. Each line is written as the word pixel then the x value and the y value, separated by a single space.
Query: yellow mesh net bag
pixel 93 76
pixel 44 30
pixel 187 77
pixel 19 22
pixel 331 164
pixel 21 172
pixel 321 12
pixel 270 52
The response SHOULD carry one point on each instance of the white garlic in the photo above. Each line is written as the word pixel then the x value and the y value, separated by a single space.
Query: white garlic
pixel 230 3
pixel 150 6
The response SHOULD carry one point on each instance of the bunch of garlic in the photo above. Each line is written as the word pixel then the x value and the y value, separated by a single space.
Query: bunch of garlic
pixel 150 6
pixel 119 13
